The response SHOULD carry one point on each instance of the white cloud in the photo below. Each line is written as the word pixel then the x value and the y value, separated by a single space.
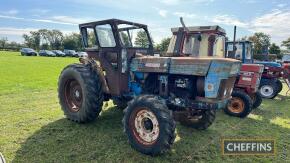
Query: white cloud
pixel 162 13
pixel 281 5
pixel 185 15
pixel 228 20
pixel 176 2
pixel 276 23
pixel 39 11
pixel 11 17
pixel 15 31
pixel 12 12
pixel 170 2
pixel 20 31
pixel 65 20
pixel 70 20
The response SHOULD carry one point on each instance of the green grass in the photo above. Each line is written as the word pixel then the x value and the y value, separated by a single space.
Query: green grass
pixel 33 128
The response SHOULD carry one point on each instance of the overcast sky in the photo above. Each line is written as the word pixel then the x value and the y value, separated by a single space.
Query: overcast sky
pixel 270 16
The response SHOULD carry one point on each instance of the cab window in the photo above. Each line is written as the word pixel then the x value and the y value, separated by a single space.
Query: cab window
pixel 89 37
pixel 105 35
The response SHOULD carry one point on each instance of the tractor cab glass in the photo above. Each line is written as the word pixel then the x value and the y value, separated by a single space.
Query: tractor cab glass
pixel 133 36
pixel 241 51
pixel 200 45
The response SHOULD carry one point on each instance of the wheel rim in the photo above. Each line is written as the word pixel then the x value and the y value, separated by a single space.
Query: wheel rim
pixel 146 127
pixel 266 90
pixel 73 95
pixel 236 105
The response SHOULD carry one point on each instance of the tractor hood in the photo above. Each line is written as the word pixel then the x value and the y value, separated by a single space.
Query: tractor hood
pixel 197 66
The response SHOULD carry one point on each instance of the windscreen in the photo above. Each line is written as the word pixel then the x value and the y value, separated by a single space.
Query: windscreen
pixel 133 36
pixel 200 45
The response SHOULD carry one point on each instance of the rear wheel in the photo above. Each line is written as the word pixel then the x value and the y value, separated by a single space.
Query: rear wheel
pixel 268 89
pixel 201 120
pixel 257 100
pixel 149 125
pixel 80 93
pixel 240 105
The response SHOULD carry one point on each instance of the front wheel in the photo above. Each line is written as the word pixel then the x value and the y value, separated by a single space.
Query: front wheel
pixel 149 125
pixel 240 105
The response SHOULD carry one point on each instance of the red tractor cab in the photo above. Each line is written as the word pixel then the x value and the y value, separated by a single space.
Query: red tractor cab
pixel 209 41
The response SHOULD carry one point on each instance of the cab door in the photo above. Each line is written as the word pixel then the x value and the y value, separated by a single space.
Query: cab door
pixel 101 45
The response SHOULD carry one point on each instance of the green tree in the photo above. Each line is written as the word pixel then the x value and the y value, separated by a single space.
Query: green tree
pixel 162 47
pixel 260 41
pixel 141 39
pixel 32 39
pixel 72 41
pixel 274 49
pixel 3 42
pixel 286 43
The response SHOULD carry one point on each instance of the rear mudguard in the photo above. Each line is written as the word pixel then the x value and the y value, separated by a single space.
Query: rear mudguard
pixel 99 70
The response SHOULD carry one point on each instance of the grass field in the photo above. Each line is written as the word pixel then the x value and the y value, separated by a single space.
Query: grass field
pixel 33 128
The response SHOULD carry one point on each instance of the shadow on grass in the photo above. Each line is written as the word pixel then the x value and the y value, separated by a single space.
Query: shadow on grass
pixel 104 140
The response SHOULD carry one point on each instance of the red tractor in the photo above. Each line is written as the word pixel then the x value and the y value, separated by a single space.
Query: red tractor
pixel 209 41
pixel 270 85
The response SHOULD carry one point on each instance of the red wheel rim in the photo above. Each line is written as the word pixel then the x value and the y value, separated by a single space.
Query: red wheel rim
pixel 145 126
pixel 73 95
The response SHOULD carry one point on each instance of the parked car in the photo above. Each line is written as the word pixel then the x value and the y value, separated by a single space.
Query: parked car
pixel 28 52
pixel 46 53
pixel 82 54
pixel 59 53
pixel 71 53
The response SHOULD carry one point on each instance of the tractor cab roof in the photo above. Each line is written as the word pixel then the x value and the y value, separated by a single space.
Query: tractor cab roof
pixel 111 21
pixel 200 29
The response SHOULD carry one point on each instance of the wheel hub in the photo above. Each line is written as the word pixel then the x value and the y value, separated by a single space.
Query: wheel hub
pixel 266 90
pixel 236 105
pixel 147 127
pixel 73 95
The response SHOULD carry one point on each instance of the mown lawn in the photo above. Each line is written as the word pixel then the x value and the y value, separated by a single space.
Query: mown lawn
pixel 33 128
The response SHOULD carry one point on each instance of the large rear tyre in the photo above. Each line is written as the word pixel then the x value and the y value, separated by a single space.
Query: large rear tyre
pixel 80 93
pixel 257 100
pixel 268 89
pixel 240 105
pixel 201 121
pixel 149 125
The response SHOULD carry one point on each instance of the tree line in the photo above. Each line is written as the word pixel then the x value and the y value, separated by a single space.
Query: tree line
pixel 55 39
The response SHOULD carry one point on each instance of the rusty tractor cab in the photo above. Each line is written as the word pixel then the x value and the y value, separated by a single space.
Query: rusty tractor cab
pixel 121 67
pixel 210 41
pixel 270 85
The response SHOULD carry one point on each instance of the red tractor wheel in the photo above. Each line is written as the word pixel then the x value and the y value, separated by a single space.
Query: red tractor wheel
pixel 240 105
